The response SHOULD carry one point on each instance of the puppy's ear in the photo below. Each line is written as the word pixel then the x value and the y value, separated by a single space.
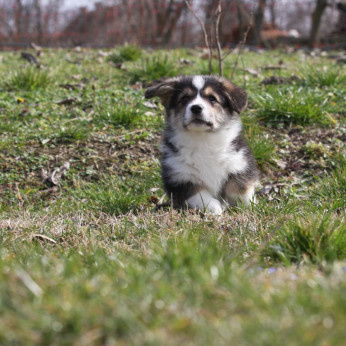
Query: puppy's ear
pixel 163 89
pixel 236 96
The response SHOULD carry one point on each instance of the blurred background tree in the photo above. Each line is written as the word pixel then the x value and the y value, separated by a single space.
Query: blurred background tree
pixel 166 23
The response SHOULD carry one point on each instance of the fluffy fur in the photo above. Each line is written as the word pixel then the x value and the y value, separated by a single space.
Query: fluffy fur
pixel 206 163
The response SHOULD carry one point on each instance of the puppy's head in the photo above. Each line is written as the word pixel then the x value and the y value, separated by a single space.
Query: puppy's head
pixel 199 103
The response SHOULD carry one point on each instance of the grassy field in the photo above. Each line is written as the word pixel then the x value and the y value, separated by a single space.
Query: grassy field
pixel 86 256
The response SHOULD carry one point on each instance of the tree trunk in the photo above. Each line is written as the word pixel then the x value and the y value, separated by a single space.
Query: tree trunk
pixel 258 19
pixel 241 21
pixel 272 14
pixel 19 19
pixel 316 20
pixel 39 30
pixel 341 24
pixel 171 23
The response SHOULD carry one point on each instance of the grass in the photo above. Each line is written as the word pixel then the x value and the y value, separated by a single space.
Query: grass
pixel 28 78
pixel 94 260
pixel 291 105
pixel 262 148
pixel 332 191
pixel 119 115
pixel 153 68
pixel 324 76
pixel 308 240
pixel 125 53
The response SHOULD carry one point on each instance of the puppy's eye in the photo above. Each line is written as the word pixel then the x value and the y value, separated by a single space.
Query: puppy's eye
pixel 212 98
pixel 184 98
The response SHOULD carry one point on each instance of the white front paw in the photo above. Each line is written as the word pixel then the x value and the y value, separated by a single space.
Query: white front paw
pixel 204 201
pixel 214 207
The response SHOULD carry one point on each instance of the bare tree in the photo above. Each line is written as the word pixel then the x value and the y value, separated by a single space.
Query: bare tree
pixel 26 21
pixel 218 13
pixel 341 24
pixel 316 20
pixel 18 17
pixel 272 14
pixel 258 19
pixel 38 10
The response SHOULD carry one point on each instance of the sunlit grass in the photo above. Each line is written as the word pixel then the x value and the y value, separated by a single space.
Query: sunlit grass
pixel 324 76
pixel 125 53
pixel 153 68
pixel 291 105
pixel 315 240
pixel 29 78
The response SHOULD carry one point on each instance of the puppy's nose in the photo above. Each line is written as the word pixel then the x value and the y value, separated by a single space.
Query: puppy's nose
pixel 196 109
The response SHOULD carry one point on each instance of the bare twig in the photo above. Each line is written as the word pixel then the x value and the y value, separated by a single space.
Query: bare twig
pixel 206 37
pixel 241 45
pixel 217 36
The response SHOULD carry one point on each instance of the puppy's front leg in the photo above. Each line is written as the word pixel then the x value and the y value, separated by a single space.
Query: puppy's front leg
pixel 204 200
pixel 248 198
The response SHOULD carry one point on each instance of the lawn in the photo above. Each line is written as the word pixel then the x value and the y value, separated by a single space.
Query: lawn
pixel 89 256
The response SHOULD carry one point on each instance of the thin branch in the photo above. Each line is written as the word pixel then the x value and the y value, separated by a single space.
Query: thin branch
pixel 206 37
pixel 241 45
pixel 217 36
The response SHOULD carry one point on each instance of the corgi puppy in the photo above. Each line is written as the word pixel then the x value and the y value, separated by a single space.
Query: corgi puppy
pixel 206 163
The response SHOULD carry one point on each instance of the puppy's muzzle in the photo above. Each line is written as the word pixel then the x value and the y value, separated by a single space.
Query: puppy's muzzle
pixel 197 116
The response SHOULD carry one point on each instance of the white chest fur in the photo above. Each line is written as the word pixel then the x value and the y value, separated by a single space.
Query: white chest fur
pixel 206 158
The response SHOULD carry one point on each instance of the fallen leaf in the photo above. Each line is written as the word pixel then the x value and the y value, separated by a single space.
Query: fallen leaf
pixel 253 72
pixel 265 190
pixel 137 86
pixel 149 104
pixel 71 86
pixel 43 238
pixel 54 178
pixel 29 283
pixel 280 163
pixel 272 67
pixel 68 101
pixel 45 141
pixel 103 54
pixel 29 57
pixel 119 66
pixel 185 61
pixel 152 114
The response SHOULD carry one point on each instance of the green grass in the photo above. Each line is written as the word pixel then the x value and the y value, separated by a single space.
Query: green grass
pixel 28 78
pixel 332 191
pixel 315 240
pixel 153 68
pixel 125 53
pixel 262 147
pixel 324 76
pixel 95 260
pixel 115 196
pixel 291 105
pixel 118 115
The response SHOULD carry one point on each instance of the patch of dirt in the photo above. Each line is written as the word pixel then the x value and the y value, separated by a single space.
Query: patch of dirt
pixel 281 80
pixel 89 159
pixel 303 155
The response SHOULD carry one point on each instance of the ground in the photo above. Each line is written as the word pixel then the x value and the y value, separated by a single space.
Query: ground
pixel 88 253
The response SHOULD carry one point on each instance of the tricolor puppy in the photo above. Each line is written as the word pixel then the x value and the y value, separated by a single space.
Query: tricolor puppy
pixel 206 163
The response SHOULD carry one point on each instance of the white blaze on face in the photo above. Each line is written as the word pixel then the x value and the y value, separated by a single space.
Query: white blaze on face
pixel 198 82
